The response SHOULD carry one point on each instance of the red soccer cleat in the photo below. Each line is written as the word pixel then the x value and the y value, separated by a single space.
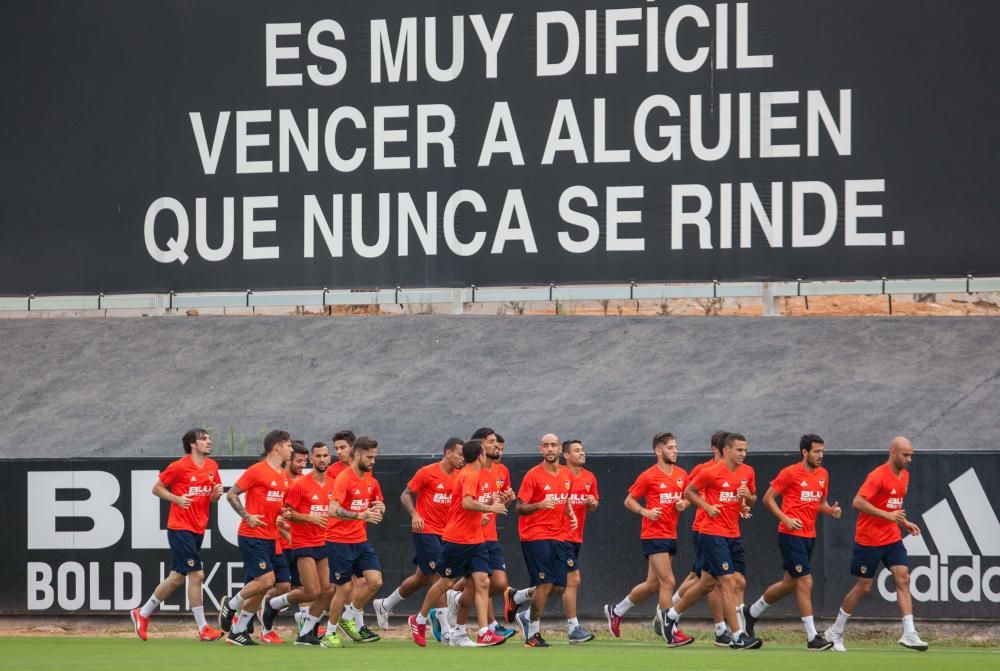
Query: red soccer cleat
pixel 271 637
pixel 209 634
pixel 680 638
pixel 417 631
pixel 489 638
pixel 614 621
pixel 139 623
pixel 320 631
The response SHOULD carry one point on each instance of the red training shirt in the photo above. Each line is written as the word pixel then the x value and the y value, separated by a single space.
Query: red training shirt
pixel 885 491
pixel 699 515
pixel 499 476
pixel 465 527
pixel 541 525
pixel 308 497
pixel 185 478
pixel 433 489
pixel 719 486
pixel 581 486
pixel 265 490
pixel 354 494
pixel 801 493
pixel 660 490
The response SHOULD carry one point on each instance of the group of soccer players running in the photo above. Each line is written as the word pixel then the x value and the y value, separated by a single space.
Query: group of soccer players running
pixel 303 539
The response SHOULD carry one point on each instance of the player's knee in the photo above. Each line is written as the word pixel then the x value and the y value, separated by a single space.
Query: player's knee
pixel 805 583
pixel 739 581
pixel 267 580
pixel 374 583
pixel 482 581
pixel 902 580
pixel 865 587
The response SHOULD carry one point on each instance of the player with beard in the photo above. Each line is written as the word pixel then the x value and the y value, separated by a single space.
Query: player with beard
pixel 546 521
pixel 265 485
pixel 803 488
pixel 307 504
pixel 190 484
pixel 432 487
pixel 662 487
pixel 877 539
pixel 357 501
pixel 727 488
pixel 583 497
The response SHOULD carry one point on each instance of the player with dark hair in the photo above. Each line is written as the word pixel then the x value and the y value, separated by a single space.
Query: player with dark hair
pixel 803 488
pixel 662 487
pixel 265 485
pixel 190 484
pixel 464 553
pixel 357 501
pixel 307 505
pixel 877 539
pixel 584 498
pixel 427 498
pixel 725 489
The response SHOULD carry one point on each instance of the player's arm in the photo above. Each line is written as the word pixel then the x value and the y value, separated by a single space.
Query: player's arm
pixel 160 490
pixel 692 495
pixel 833 511
pixel 233 496
pixel 469 502
pixel 369 515
pixel 771 503
pixel 749 498
pixel 861 504
pixel 522 508
pixel 409 504
pixel 633 506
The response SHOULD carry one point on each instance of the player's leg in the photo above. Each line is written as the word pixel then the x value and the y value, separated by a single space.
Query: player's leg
pixel 367 566
pixel 896 562
pixel 427 549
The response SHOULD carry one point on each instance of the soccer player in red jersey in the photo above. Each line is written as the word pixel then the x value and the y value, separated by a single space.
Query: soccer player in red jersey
pixel 726 488
pixel 284 573
pixel 265 485
pixel 723 636
pixel 803 488
pixel 427 498
pixel 307 504
pixel 583 497
pixel 357 501
pixel 190 484
pixel 499 480
pixel 463 551
pixel 877 539
pixel 662 487
pixel 545 522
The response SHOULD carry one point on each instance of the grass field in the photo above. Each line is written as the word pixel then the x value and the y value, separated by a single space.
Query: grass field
pixel 171 654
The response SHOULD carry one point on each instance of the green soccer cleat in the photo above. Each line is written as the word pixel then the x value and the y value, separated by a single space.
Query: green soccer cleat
pixel 351 629
pixel 331 640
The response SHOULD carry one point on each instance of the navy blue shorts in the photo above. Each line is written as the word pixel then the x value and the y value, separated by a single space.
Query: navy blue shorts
pixel 721 555
pixel 258 556
pixel 573 556
pixel 865 559
pixel 458 560
pixel 317 553
pixel 796 552
pixel 546 561
pixel 655 546
pixel 427 549
pixel 282 572
pixel 350 559
pixel 495 552
pixel 185 549
pixel 696 562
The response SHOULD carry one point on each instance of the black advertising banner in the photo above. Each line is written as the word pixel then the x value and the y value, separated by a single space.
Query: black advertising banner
pixel 88 536
pixel 159 145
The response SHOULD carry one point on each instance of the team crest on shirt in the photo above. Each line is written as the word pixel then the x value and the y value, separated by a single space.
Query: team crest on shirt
pixel 567 484
pixel 587 486
pixel 680 483
pixel 798 568
pixel 822 482
pixel 262 565
pixel 191 563
pixel 725 566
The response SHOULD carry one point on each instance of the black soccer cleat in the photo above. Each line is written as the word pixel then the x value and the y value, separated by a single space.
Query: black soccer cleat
pixel 242 638
pixel 747 642
pixel 819 644
pixel 307 639
pixel 749 622
pixel 724 640
pixel 267 615
pixel 225 616
pixel 536 641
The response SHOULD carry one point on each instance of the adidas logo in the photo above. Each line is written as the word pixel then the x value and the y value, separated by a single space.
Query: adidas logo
pixel 663 485
pixel 357 492
pixel 893 491
pixel 804 483
pixel 315 498
pixel 194 479
pixel 273 483
pixel 440 486
pixel 969 581
pixel 726 484
pixel 547 488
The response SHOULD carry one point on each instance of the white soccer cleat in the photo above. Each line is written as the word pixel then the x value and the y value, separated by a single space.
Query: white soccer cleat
pixel 911 641
pixel 381 614
pixel 837 638
pixel 442 617
pixel 740 617
pixel 460 639
pixel 452 596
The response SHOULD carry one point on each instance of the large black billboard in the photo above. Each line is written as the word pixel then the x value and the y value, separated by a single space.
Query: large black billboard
pixel 88 536
pixel 160 145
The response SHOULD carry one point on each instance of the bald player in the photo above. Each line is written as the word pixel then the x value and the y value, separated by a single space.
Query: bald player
pixel 878 539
